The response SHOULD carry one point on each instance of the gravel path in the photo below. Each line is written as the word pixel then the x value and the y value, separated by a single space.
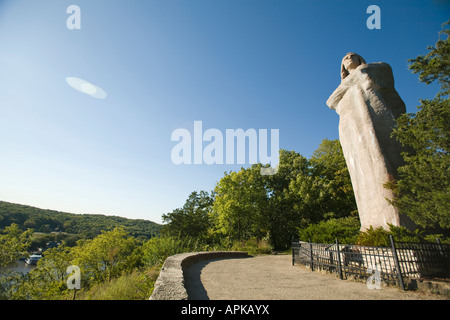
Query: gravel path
pixel 272 277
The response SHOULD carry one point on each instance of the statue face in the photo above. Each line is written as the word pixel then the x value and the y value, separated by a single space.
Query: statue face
pixel 350 62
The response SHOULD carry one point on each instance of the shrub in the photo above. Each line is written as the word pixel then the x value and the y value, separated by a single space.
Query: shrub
pixel 344 229
pixel 156 250
pixel 137 285
pixel 252 246
pixel 378 237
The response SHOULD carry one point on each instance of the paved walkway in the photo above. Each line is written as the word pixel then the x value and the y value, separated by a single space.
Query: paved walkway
pixel 272 277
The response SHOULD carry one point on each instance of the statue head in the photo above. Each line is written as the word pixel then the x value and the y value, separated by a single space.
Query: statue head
pixel 350 62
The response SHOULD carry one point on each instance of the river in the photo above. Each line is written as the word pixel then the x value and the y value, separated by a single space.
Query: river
pixel 19 266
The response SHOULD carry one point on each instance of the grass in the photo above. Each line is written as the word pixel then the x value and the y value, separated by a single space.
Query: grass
pixel 137 285
pixel 252 246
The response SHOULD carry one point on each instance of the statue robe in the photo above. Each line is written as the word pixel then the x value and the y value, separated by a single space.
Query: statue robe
pixel 368 105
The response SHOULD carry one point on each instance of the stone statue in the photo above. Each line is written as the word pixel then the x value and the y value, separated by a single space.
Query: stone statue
pixel 368 104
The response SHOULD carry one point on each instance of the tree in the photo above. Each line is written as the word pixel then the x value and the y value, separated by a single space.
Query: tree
pixel 310 196
pixel 107 255
pixel 423 187
pixel 283 213
pixel 48 280
pixel 328 163
pixel 192 219
pixel 303 191
pixel 238 210
pixel 436 64
pixel 13 244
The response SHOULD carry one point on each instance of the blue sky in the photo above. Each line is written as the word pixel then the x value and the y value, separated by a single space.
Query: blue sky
pixel 262 64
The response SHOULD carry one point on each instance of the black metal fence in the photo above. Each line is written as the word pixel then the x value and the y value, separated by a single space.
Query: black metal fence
pixel 396 265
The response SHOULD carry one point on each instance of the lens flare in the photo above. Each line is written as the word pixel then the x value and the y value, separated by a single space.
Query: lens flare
pixel 86 87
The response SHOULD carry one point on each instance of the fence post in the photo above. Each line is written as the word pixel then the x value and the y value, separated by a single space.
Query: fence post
pixel 397 264
pixel 339 260
pixel 442 254
pixel 311 254
pixel 293 253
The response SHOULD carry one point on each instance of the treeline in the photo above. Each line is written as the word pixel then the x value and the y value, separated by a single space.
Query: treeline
pixel 246 204
pixel 308 199
pixel 85 226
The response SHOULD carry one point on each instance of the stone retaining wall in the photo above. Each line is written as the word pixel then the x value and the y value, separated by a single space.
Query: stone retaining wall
pixel 170 283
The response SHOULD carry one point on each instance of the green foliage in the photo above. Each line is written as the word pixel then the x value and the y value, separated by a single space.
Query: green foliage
pixel 344 229
pixel 156 250
pixel 403 234
pixel 253 246
pixel 285 211
pixel 10 281
pixel 302 192
pixel 13 244
pixel 378 237
pixel 423 188
pixel 48 280
pixel 347 231
pixel 192 219
pixel 239 204
pixel 329 164
pixel 106 256
pixel 80 225
pixel 137 285
pixel 436 64
pixel 113 265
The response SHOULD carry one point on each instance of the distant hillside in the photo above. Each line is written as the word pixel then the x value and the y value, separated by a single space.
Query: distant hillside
pixel 86 225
